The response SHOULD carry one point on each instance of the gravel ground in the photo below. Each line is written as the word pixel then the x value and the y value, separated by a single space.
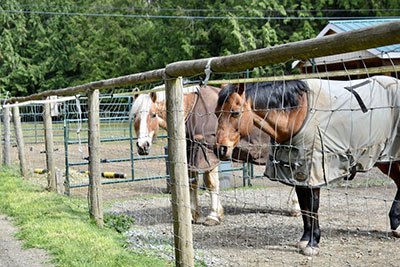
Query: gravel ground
pixel 258 231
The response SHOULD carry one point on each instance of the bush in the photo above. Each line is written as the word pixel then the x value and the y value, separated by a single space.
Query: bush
pixel 119 222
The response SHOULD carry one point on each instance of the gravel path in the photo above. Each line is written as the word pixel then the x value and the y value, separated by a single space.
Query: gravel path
pixel 11 252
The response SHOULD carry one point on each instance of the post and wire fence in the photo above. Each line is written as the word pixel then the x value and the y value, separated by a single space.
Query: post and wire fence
pixel 183 239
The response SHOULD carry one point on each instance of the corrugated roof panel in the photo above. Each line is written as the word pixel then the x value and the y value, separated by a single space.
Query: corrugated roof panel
pixel 350 25
pixel 390 48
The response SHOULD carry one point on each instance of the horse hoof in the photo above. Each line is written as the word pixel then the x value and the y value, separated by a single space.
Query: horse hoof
pixel 196 221
pixel 302 244
pixel 211 222
pixel 166 191
pixel 396 233
pixel 310 251
pixel 195 216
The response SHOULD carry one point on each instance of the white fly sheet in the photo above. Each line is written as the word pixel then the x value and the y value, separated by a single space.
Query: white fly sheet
pixel 338 138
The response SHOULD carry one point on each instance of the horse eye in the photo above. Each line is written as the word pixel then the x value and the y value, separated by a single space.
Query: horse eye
pixel 153 115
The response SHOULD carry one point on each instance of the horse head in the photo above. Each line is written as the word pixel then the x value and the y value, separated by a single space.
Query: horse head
pixel 278 108
pixel 234 119
pixel 146 120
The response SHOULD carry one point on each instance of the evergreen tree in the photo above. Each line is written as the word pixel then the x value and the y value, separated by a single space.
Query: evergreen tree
pixel 58 43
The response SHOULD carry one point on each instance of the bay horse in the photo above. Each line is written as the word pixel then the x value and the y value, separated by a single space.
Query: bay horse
pixel 320 131
pixel 148 113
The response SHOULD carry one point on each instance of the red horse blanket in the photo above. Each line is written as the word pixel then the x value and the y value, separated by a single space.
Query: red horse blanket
pixel 201 129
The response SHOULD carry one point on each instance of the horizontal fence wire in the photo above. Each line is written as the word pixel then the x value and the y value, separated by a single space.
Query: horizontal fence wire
pixel 250 225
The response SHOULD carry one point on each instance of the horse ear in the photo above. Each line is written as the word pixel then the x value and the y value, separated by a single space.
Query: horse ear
pixel 240 88
pixel 134 90
pixel 153 96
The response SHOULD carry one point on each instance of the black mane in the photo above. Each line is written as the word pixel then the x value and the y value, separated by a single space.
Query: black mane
pixel 266 95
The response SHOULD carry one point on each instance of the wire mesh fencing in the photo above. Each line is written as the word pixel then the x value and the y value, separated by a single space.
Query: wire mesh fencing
pixel 256 227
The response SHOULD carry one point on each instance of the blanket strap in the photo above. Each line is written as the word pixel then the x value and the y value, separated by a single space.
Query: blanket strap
pixel 357 96
pixel 323 155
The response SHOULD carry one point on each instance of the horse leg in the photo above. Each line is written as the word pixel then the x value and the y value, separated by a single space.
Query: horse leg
pixel 293 204
pixel 194 200
pixel 393 171
pixel 211 179
pixel 309 204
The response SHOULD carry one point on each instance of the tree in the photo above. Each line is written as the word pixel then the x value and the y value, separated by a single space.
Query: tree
pixel 58 43
pixel 13 65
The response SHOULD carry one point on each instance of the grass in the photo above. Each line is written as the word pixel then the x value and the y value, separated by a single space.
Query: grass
pixel 61 225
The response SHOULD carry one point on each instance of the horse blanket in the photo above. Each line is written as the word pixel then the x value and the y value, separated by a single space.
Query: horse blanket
pixel 201 129
pixel 350 126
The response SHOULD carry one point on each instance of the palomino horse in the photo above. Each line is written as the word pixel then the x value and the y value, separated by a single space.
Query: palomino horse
pixel 149 113
pixel 321 131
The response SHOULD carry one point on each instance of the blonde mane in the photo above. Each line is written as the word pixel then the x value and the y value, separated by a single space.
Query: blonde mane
pixel 143 102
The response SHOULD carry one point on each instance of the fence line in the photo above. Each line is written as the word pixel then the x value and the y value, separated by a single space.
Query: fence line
pixel 20 142
pixel 369 37
pixel 57 100
pixel 330 74
pixel 49 146
pixel 7 137
pixel 365 38
pixel 95 197
pixel 144 77
pixel 179 174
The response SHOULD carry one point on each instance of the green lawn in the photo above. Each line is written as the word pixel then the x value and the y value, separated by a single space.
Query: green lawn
pixel 61 225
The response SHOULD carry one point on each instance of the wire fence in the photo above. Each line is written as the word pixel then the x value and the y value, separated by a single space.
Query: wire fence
pixel 256 228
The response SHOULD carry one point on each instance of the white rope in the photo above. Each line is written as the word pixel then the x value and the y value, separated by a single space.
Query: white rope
pixel 64 99
pixel 207 71
pixel 5 99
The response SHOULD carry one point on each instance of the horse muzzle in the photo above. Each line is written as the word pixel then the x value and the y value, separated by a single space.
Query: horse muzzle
pixel 144 148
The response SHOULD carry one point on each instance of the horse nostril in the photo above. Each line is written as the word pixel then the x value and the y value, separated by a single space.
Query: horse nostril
pixel 146 145
pixel 222 151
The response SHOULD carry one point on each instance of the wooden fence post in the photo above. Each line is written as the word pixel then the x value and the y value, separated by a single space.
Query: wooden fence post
pixel 179 174
pixel 49 144
pixel 20 141
pixel 60 182
pixel 1 140
pixel 95 193
pixel 7 137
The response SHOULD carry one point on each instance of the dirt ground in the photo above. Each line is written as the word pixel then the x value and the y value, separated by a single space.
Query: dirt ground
pixel 257 229
pixel 11 252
